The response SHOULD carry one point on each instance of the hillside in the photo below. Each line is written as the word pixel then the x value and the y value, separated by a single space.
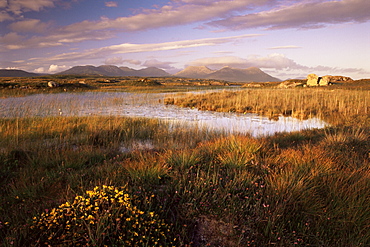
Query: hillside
pixel 195 72
pixel 111 70
pixel 228 74
pixel 16 73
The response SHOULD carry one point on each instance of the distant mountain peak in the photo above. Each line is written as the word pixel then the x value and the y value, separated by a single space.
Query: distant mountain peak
pixel 251 74
pixel 194 72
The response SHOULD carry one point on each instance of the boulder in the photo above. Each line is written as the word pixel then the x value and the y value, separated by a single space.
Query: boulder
pixel 312 80
pixel 324 81
pixel 52 84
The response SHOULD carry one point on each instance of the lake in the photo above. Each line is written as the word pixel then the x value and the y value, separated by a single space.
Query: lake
pixel 149 105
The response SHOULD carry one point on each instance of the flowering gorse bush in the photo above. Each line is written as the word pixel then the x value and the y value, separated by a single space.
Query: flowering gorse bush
pixel 104 217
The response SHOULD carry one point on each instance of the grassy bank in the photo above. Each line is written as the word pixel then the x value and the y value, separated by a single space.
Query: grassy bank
pixel 337 107
pixel 18 86
pixel 113 180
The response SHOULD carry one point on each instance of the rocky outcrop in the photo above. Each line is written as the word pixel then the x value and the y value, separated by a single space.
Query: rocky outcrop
pixel 334 79
pixel 315 80
pixel 291 84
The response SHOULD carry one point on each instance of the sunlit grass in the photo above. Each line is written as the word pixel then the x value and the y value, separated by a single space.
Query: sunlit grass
pixel 335 106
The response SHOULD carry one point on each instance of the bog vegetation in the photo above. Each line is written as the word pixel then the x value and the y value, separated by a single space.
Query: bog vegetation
pixel 115 181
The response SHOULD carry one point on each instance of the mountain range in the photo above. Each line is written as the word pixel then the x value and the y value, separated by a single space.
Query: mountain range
pixel 252 74
pixel 227 73
pixel 111 70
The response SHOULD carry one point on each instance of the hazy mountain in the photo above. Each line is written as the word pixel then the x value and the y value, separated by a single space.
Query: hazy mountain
pixel 153 71
pixel 128 71
pixel 16 73
pixel 202 72
pixel 251 74
pixel 111 70
pixel 195 72
pixel 83 70
pixel 228 74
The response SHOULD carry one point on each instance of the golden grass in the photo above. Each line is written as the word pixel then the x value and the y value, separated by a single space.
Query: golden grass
pixel 335 106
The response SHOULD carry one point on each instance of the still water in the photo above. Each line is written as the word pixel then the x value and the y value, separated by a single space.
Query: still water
pixel 148 105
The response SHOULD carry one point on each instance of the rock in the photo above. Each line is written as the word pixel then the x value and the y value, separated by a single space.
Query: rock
pixel 52 84
pixel 333 79
pixel 291 84
pixel 324 81
pixel 312 80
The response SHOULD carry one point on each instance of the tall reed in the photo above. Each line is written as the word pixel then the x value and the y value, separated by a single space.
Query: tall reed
pixel 335 106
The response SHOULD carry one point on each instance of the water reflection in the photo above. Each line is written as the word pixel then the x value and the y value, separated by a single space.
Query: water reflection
pixel 147 105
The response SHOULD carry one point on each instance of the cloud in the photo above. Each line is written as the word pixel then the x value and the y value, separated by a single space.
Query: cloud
pixel 19 6
pixel 56 68
pixel 302 15
pixel 276 61
pixel 39 70
pixel 137 48
pixel 120 60
pixel 158 64
pixel 173 14
pixel 30 25
pixel 4 16
pixel 111 4
pixel 53 68
pixel 11 41
pixel 284 47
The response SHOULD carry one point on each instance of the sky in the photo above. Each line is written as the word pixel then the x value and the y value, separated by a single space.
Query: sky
pixel 284 38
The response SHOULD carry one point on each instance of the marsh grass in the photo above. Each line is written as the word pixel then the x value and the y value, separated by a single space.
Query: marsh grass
pixel 334 106
pixel 308 188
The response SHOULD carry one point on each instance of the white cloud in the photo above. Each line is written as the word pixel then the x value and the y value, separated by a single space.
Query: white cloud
pixel 56 68
pixel 305 14
pixel 39 70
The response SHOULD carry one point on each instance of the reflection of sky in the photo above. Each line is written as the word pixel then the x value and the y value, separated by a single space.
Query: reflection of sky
pixel 147 105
